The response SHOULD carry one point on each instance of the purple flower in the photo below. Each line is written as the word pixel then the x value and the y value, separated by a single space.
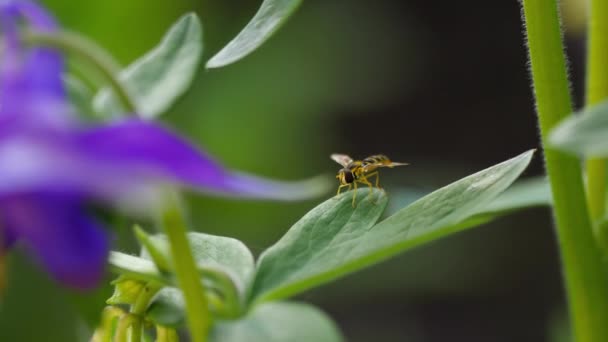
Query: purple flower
pixel 51 164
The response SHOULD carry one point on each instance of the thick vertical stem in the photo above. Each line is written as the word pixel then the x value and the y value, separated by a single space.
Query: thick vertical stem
pixel 585 278
pixel 188 276
pixel 597 90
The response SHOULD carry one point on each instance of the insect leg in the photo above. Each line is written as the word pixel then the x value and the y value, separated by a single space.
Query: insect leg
pixel 377 174
pixel 341 186
pixel 354 193
pixel 366 181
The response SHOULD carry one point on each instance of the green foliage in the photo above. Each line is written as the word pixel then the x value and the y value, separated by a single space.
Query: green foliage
pixel 278 322
pixel 134 267
pixel 533 192
pixel 312 251
pixel 269 18
pixel 330 241
pixel 212 253
pixel 158 78
pixel 584 134
pixel 126 290
pixel 168 308
pixel 527 193
pixel 334 239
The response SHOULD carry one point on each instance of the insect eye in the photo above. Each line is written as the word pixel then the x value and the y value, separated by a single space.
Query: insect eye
pixel 348 176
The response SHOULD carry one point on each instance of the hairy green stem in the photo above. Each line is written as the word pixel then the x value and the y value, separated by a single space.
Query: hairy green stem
pixel 597 90
pixel 89 52
pixel 585 278
pixel 188 276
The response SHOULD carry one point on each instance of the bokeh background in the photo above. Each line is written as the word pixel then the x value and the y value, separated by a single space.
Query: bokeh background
pixel 441 85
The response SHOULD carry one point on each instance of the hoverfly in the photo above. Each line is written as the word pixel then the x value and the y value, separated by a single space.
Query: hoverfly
pixel 359 171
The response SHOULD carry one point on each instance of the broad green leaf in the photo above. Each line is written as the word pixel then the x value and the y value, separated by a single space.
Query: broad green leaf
pixel 126 290
pixel 334 239
pixel 159 77
pixel 269 18
pixel 527 193
pixel 585 133
pixel 278 322
pixel 219 253
pixel 135 267
pixel 298 259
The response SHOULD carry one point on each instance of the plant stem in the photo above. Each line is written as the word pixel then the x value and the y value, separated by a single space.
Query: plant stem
pixel 165 334
pixel 143 300
pixel 597 90
pixel 140 307
pixel 109 315
pixel 125 322
pixel 188 278
pixel 90 52
pixel 585 277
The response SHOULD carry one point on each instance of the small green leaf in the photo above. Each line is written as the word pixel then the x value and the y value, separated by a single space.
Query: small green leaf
pixel 151 251
pixel 159 77
pixel 334 239
pixel 278 322
pixel 135 267
pixel 218 253
pixel 269 18
pixel 585 133
pixel 167 308
pixel 126 291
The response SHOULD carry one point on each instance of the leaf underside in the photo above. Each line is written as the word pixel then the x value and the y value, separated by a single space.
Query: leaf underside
pixel 157 79
pixel 269 18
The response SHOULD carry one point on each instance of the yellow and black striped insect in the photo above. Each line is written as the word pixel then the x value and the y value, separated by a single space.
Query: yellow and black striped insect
pixel 359 171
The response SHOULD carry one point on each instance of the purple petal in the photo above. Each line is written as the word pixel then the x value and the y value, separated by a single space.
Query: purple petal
pixel 36 16
pixel 122 160
pixel 54 228
pixel 152 151
pixel 31 89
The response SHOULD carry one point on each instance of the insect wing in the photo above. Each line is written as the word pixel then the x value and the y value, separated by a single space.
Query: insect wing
pixel 371 167
pixel 393 164
pixel 341 159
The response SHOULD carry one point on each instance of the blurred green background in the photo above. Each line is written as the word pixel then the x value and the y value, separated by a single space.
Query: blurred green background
pixel 441 85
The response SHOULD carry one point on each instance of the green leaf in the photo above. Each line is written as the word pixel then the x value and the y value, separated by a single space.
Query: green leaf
pixel 151 251
pixel 523 194
pixel 135 267
pixel 528 193
pixel 159 77
pixel 126 290
pixel 219 253
pixel 278 322
pixel 167 308
pixel 585 133
pixel 269 18
pixel 334 239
